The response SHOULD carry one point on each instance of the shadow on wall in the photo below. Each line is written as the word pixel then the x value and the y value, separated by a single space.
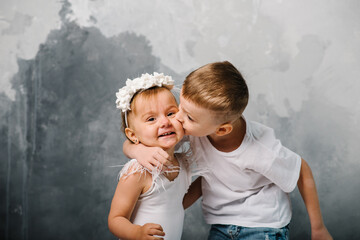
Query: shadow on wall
pixel 321 136
pixel 62 133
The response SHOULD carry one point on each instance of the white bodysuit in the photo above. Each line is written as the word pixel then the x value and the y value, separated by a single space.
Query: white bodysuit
pixel 162 203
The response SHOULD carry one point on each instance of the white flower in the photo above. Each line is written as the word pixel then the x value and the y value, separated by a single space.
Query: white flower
pixel 125 94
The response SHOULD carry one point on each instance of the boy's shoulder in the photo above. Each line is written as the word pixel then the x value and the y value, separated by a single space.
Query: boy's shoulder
pixel 259 142
pixel 259 131
pixel 264 138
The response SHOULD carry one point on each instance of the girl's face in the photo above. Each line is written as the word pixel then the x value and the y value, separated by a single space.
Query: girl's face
pixel 153 122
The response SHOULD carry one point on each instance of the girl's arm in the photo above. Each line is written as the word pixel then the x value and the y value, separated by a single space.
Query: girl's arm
pixel 126 195
pixel 193 194
pixel 307 188
pixel 149 157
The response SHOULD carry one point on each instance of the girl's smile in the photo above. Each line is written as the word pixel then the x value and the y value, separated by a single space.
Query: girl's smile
pixel 153 122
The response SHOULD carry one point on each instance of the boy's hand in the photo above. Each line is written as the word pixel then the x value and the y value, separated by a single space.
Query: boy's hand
pixel 149 157
pixel 320 234
pixel 150 231
pixel 152 157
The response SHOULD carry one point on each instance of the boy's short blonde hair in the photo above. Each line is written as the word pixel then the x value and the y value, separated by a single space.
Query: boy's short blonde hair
pixel 219 87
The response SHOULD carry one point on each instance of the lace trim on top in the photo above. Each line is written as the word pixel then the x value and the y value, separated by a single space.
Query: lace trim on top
pixel 133 166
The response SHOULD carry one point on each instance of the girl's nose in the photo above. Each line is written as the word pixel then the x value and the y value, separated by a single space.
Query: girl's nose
pixel 164 122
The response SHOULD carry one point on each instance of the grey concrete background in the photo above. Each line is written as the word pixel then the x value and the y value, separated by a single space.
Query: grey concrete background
pixel 62 62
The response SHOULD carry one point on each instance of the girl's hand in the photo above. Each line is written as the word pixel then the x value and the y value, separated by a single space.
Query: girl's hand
pixel 150 231
pixel 152 157
pixel 320 234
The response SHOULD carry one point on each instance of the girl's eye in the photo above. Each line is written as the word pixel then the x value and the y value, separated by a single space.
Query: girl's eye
pixel 190 118
pixel 171 114
pixel 151 119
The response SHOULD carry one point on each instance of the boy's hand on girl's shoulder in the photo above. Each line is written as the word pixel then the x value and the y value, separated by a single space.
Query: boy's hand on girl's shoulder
pixel 152 157
pixel 320 234
pixel 150 231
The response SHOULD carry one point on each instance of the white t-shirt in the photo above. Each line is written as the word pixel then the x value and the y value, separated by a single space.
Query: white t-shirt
pixel 248 186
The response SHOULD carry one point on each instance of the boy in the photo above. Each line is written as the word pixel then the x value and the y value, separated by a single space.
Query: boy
pixel 248 172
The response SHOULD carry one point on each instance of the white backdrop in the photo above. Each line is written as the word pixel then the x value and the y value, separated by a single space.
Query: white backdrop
pixel 300 59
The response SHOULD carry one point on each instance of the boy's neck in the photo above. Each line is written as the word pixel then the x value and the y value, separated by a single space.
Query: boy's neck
pixel 231 141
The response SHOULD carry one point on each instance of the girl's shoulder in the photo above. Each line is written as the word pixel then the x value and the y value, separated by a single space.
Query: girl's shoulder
pixel 132 167
pixel 134 172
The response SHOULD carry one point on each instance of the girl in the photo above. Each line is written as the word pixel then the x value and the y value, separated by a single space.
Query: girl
pixel 149 204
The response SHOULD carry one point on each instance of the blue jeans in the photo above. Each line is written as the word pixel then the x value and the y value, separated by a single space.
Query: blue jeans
pixel 233 232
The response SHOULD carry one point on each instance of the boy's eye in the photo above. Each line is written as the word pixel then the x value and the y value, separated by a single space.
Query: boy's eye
pixel 150 119
pixel 190 118
pixel 171 114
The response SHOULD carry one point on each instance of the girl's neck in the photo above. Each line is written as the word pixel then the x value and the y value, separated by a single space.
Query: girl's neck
pixel 171 152
pixel 173 171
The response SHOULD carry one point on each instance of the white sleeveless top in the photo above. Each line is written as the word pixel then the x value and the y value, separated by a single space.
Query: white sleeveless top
pixel 162 203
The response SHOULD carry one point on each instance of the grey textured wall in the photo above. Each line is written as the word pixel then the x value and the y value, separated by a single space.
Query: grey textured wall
pixel 62 62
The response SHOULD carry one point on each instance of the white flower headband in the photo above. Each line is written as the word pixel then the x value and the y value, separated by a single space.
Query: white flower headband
pixel 146 81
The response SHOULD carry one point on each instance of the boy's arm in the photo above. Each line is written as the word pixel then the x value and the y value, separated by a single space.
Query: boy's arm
pixel 149 157
pixel 307 188
pixel 193 194
pixel 122 205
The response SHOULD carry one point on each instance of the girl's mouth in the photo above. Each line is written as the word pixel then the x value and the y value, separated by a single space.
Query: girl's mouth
pixel 167 134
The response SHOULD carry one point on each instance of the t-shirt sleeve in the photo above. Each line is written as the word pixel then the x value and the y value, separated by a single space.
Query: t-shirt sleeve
pixel 284 169
pixel 276 162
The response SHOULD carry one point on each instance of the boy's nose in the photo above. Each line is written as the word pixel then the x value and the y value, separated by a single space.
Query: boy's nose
pixel 179 116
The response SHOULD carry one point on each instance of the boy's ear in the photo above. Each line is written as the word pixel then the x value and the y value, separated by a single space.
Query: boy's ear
pixel 224 129
pixel 130 134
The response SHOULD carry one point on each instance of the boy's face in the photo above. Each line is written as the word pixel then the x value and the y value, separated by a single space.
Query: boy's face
pixel 197 121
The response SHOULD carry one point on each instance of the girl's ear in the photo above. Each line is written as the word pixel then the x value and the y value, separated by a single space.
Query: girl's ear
pixel 224 129
pixel 130 134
